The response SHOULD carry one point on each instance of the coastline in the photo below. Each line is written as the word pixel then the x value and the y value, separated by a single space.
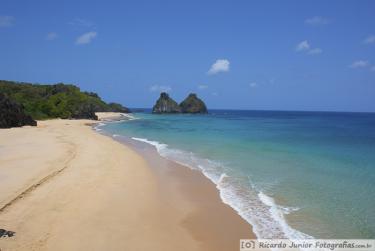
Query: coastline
pixel 74 189
pixel 185 187
pixel 215 224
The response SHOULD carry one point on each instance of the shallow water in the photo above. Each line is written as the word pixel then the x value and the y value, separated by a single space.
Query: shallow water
pixel 289 174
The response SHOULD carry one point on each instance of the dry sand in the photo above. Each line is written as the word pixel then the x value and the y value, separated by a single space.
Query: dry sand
pixel 112 116
pixel 65 187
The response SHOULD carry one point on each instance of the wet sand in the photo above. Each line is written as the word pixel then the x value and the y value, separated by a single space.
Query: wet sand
pixel 214 224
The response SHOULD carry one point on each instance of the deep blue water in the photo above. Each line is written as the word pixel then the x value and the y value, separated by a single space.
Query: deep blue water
pixel 289 174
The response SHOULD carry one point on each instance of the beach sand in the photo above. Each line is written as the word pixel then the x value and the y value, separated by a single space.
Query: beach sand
pixel 112 116
pixel 65 187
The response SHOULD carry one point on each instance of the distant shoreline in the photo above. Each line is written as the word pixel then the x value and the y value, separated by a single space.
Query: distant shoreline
pixel 212 110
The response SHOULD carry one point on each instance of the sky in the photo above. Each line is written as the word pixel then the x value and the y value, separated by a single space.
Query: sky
pixel 258 55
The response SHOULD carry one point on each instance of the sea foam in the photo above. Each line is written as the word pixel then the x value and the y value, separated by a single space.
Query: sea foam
pixel 97 127
pixel 257 208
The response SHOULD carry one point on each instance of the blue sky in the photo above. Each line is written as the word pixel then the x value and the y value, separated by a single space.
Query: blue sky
pixel 283 55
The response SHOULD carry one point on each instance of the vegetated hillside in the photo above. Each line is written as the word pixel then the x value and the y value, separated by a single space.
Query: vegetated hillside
pixel 57 101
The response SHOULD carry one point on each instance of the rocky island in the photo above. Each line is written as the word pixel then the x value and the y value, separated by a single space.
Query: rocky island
pixel 191 104
pixel 166 104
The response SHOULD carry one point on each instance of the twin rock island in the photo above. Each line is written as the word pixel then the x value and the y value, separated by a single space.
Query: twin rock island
pixel 191 104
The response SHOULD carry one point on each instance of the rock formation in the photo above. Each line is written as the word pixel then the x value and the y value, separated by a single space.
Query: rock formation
pixel 193 104
pixel 165 104
pixel 12 114
pixel 84 111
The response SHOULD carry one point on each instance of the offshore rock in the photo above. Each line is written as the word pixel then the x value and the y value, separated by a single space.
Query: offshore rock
pixel 165 104
pixel 193 104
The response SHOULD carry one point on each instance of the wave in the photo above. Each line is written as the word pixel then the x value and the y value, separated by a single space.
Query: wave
pixel 129 116
pixel 254 206
pixel 97 127
pixel 125 116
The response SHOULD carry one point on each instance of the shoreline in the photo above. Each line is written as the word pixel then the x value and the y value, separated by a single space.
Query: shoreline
pixel 194 186
pixel 187 187
pixel 168 171
pixel 77 189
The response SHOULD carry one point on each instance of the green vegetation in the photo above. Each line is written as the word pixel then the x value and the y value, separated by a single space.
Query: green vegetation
pixel 57 101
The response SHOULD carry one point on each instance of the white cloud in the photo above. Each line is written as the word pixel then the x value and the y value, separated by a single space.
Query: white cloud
pixel 215 94
pixel 305 46
pixel 86 38
pixel 160 88
pixel 315 51
pixel 81 22
pixel 221 65
pixel 253 84
pixel 51 36
pixel 302 46
pixel 202 87
pixel 370 40
pixel 6 21
pixel 359 64
pixel 317 20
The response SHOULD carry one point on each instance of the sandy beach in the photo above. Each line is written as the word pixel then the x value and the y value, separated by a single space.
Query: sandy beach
pixel 66 187
pixel 112 116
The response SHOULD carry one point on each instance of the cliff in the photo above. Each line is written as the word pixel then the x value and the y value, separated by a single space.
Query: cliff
pixel 193 104
pixel 165 104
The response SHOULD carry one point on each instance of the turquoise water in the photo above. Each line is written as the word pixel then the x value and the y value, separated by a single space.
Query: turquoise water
pixel 289 174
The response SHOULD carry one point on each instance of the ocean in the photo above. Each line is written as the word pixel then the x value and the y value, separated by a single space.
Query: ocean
pixel 289 174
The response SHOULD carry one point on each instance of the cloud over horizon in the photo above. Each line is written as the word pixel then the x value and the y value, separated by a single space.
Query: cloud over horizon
pixel 6 21
pixel 302 46
pixel 220 65
pixel 305 46
pixel 202 87
pixel 160 88
pixel 359 64
pixel 86 38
